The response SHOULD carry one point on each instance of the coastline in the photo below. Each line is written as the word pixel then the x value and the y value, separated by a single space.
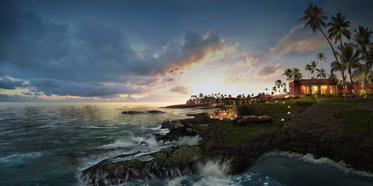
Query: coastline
pixel 324 136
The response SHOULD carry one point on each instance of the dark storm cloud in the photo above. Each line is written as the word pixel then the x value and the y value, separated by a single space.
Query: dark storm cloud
pixel 7 83
pixel 63 88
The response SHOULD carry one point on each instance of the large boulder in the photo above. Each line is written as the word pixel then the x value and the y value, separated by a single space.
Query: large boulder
pixel 242 120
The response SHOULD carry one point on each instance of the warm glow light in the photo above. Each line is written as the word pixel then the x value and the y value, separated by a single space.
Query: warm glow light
pixel 288 106
pixel 288 112
pixel 283 102
pixel 276 101
pixel 221 118
pixel 282 119
pixel 210 116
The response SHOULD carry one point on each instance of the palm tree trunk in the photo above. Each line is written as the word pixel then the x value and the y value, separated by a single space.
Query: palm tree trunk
pixel 321 69
pixel 331 46
pixel 353 86
pixel 365 74
pixel 343 77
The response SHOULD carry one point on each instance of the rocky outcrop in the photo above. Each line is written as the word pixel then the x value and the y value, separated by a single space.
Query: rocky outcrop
pixel 197 114
pixel 185 127
pixel 155 111
pixel 169 163
pixel 132 112
pixel 242 120
pixel 185 106
pixel 140 112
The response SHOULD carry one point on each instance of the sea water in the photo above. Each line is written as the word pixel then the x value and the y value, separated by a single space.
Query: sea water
pixel 51 143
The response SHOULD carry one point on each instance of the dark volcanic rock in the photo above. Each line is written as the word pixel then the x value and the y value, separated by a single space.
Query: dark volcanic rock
pixel 155 111
pixel 242 120
pixel 168 163
pixel 132 112
pixel 185 106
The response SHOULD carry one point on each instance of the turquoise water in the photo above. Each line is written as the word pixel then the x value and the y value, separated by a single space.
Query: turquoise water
pixel 51 143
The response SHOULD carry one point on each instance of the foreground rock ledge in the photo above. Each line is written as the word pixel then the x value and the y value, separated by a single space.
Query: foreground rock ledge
pixel 169 163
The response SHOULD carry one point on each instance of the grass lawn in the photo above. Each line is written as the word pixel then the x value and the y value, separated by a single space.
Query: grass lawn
pixel 349 100
pixel 241 133
pixel 280 109
pixel 363 124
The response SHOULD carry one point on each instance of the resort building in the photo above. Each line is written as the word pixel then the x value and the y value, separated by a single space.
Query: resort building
pixel 194 100
pixel 321 86
pixel 222 113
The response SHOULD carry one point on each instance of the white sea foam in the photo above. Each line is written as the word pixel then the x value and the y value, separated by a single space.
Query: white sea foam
pixel 20 157
pixel 309 158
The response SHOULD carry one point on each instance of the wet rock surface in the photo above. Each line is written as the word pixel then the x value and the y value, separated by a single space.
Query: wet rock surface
pixel 169 163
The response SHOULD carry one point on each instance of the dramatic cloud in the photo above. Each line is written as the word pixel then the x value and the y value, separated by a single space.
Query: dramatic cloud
pixel 299 41
pixel 64 88
pixel 181 89
pixel 231 81
pixel 80 59
pixel 268 70
pixel 7 83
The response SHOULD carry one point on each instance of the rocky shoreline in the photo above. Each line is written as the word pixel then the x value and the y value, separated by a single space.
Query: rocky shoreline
pixel 185 106
pixel 323 136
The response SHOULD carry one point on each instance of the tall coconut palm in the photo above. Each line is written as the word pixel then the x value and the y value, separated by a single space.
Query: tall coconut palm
pixel 321 57
pixel 296 75
pixel 314 65
pixel 315 20
pixel 337 66
pixel 289 75
pixel 352 58
pixel 362 37
pixel 338 28
pixel 278 83
pixel 309 68
pixel 321 73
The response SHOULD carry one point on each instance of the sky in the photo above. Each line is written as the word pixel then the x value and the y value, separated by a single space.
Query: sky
pixel 96 50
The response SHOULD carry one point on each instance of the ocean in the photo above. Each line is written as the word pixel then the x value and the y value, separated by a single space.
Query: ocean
pixel 51 143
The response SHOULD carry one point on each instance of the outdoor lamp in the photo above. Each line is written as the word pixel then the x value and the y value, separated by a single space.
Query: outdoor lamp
pixel 288 112
pixel 276 101
pixel 235 115
pixel 210 116
pixel 283 102
pixel 221 118
pixel 288 106
pixel 282 119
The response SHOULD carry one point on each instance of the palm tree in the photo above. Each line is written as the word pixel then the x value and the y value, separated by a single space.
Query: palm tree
pixel 278 83
pixel 362 37
pixel 314 65
pixel 321 73
pixel 266 90
pixel 332 75
pixel 338 28
pixel 315 17
pixel 274 89
pixel 351 57
pixel 322 57
pixel 309 68
pixel 289 74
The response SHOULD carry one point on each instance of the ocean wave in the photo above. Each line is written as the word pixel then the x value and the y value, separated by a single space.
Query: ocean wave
pixel 98 127
pixel 309 158
pixel 20 157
